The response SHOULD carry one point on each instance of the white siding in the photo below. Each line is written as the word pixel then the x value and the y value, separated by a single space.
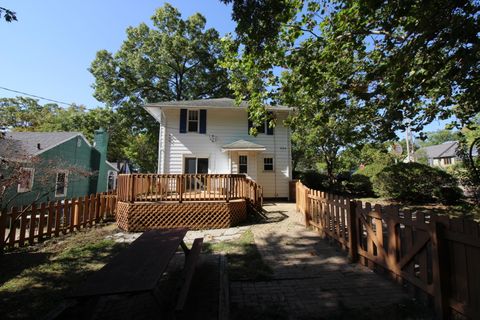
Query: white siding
pixel 227 126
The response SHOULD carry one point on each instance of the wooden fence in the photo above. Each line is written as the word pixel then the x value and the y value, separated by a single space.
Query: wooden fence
pixel 437 254
pixel 36 222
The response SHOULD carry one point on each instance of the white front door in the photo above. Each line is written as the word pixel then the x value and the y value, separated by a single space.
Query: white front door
pixel 246 162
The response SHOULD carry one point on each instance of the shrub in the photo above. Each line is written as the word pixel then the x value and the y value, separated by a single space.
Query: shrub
pixel 371 170
pixel 359 185
pixel 314 180
pixel 415 182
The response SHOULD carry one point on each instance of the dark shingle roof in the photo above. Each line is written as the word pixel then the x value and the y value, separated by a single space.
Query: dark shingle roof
pixel 447 149
pixel 220 103
pixel 27 143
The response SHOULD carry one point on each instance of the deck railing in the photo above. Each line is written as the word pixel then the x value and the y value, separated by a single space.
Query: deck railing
pixel 187 187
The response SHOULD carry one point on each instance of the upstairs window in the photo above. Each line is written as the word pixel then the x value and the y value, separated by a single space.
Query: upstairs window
pixel 25 182
pixel 264 127
pixel 192 121
pixel 267 164
pixel 61 184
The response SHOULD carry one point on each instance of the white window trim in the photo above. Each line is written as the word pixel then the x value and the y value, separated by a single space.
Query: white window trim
pixel 58 195
pixel 273 164
pixel 185 156
pixel 19 188
pixel 198 120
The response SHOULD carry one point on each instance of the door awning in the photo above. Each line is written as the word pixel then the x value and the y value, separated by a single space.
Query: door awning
pixel 243 145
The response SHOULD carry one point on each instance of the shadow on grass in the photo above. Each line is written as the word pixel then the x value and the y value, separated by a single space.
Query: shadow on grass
pixel 244 259
pixel 44 279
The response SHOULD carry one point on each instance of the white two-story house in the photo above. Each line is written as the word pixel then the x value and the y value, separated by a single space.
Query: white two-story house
pixel 212 136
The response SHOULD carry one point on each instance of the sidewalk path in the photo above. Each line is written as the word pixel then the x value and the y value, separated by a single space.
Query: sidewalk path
pixel 312 280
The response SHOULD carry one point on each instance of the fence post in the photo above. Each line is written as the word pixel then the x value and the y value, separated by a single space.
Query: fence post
pixel 352 232
pixel 307 210
pixel 440 271
pixel 3 227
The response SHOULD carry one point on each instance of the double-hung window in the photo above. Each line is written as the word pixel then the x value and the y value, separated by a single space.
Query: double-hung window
pixel 267 164
pixel 61 184
pixel 192 121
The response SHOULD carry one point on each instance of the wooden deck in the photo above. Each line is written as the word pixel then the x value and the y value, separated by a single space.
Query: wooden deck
pixel 199 201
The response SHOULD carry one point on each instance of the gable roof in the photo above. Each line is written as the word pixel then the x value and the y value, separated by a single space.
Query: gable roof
pixel 242 145
pixel 217 103
pixel 444 150
pixel 27 143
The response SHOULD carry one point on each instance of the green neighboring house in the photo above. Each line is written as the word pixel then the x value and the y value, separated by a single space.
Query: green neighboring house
pixel 54 166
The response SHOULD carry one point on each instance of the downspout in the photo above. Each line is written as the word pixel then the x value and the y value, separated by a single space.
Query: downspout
pixel 275 162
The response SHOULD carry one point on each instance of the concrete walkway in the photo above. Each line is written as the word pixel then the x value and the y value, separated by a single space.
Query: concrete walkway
pixel 311 280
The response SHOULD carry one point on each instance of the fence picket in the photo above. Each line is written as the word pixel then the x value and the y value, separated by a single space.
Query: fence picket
pixel 41 221
pixel 417 249
pixel 33 220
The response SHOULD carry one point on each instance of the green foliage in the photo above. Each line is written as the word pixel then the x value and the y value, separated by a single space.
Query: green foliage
pixel 439 137
pixel 141 149
pixel 415 182
pixel 468 171
pixel 176 59
pixel 400 62
pixel 8 15
pixel 315 180
pixel 359 185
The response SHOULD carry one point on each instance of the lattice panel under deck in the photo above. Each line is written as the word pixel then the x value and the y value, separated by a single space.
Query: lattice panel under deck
pixel 141 216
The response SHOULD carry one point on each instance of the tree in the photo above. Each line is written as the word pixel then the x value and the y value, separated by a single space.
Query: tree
pixel 439 137
pixel 176 59
pixel 8 15
pixel 420 58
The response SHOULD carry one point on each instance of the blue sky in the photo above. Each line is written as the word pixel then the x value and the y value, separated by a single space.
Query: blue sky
pixel 48 50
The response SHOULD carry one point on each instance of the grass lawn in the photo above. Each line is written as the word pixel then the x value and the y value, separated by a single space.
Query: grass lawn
pixel 34 280
pixel 244 260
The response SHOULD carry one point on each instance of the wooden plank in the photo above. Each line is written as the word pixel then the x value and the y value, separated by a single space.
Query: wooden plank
pixel 58 214
pixel 459 270
pixel 13 226
pixel 41 222
pixel 3 228
pixel 50 218
pixel 33 220
pixel 190 263
pixel 407 242
pixel 473 265
pixel 137 268
pixel 440 271
pixel 71 207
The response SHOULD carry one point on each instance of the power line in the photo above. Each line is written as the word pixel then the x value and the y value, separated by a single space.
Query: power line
pixel 35 96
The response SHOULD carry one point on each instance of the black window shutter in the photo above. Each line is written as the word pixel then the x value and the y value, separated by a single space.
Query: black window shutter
pixel 203 121
pixel 183 120
pixel 269 129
